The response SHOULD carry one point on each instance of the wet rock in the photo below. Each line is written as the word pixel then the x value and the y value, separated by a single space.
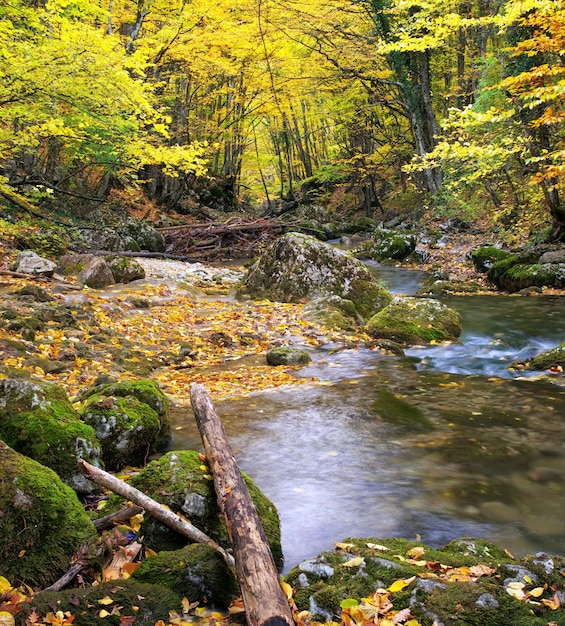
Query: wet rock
pixel 297 267
pixel 30 262
pixel 89 270
pixel 390 408
pixel 125 269
pixel 287 356
pixel 38 420
pixel 389 245
pixel 182 482
pixel 544 475
pixel 485 257
pixel 550 359
pixel 415 320
pixel 43 523
pixel 196 572
pixel 34 293
pixel 333 312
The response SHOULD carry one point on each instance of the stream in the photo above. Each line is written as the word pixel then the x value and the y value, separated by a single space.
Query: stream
pixel 489 461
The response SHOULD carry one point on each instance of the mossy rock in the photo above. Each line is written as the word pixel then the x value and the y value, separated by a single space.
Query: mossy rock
pixel 485 257
pixel 147 604
pixel 358 567
pixel 415 320
pixel 287 356
pixel 139 235
pixel 333 312
pixel 196 572
pixel 297 267
pixel 522 276
pixel 182 482
pixel 391 245
pixel 125 269
pixel 38 420
pixel 394 410
pixel 500 267
pixel 43 522
pixel 126 428
pixel 554 358
pixel 146 391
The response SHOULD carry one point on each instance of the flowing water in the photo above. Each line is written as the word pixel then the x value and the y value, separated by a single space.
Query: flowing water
pixel 486 458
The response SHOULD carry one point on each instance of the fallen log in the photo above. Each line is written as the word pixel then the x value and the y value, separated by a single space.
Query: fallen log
pixel 158 511
pixel 264 600
pixel 123 515
pixel 49 279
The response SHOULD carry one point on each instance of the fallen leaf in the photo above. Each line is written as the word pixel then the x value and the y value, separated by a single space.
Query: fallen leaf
pixel 399 585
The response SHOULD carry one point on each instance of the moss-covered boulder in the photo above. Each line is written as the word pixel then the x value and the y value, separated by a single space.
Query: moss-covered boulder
pixel 124 601
pixel 469 581
pixel 38 420
pixel 287 356
pixel 146 391
pixel 126 428
pixel 389 245
pixel 138 235
pixel 89 270
pixel 196 572
pixel 415 320
pixel 125 269
pixel 522 276
pixel 297 267
pixel 42 522
pixel 183 482
pixel 486 256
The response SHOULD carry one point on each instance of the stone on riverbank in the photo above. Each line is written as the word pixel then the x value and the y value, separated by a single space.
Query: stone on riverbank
pixel 38 420
pixel 415 320
pixel 90 270
pixel 297 267
pixel 388 245
pixel 29 262
pixel 550 359
pixel 43 523
pixel 125 269
pixel 287 356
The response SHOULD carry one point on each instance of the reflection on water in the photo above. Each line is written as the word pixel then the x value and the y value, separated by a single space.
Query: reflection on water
pixel 490 464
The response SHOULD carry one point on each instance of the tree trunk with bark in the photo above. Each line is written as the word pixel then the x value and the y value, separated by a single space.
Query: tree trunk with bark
pixel 264 600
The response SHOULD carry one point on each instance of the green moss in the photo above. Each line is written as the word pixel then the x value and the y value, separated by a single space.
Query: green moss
pixel 500 267
pixel 413 320
pixel 551 358
pixel 126 428
pixel 195 572
pixel 521 276
pixel 288 356
pixel 147 604
pixel 146 391
pixel 484 258
pixel 43 523
pixel 396 411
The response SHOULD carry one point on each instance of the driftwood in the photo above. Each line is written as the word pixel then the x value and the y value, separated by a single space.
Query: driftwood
pixel 100 477
pixel 264 600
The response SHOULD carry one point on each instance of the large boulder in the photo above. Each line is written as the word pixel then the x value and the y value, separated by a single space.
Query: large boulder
pixel 43 523
pixel 298 267
pixel 29 262
pixel 486 256
pixel 138 235
pixel 389 245
pixel 38 420
pixel 90 270
pixel 415 320
pixel 183 482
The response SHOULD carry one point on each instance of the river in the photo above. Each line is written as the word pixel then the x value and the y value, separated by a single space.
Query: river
pixel 489 462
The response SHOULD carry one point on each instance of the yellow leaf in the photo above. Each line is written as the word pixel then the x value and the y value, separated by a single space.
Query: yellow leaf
pixel 354 562
pixel 136 521
pixel 6 619
pixel 105 600
pixel 537 592
pixel 103 613
pixel 416 552
pixel 377 546
pixel 4 585
pixel 288 591
pixel 399 585
pixel 344 546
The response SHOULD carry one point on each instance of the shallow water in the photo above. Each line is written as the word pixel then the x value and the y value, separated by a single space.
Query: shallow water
pixel 489 463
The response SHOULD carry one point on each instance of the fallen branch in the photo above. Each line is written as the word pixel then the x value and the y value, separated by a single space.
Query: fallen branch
pixel 106 522
pixel 264 600
pixel 39 277
pixel 158 511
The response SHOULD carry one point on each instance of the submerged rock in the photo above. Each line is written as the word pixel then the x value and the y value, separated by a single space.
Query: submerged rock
pixel 297 267
pixel 43 523
pixel 415 320
pixel 288 356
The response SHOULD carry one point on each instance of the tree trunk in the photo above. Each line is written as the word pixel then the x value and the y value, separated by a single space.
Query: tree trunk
pixel 264 600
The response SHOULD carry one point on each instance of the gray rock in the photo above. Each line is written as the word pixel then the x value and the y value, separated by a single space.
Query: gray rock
pixel 553 256
pixel 90 270
pixel 125 269
pixel 29 262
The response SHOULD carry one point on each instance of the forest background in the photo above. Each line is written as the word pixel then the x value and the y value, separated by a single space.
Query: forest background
pixel 379 105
